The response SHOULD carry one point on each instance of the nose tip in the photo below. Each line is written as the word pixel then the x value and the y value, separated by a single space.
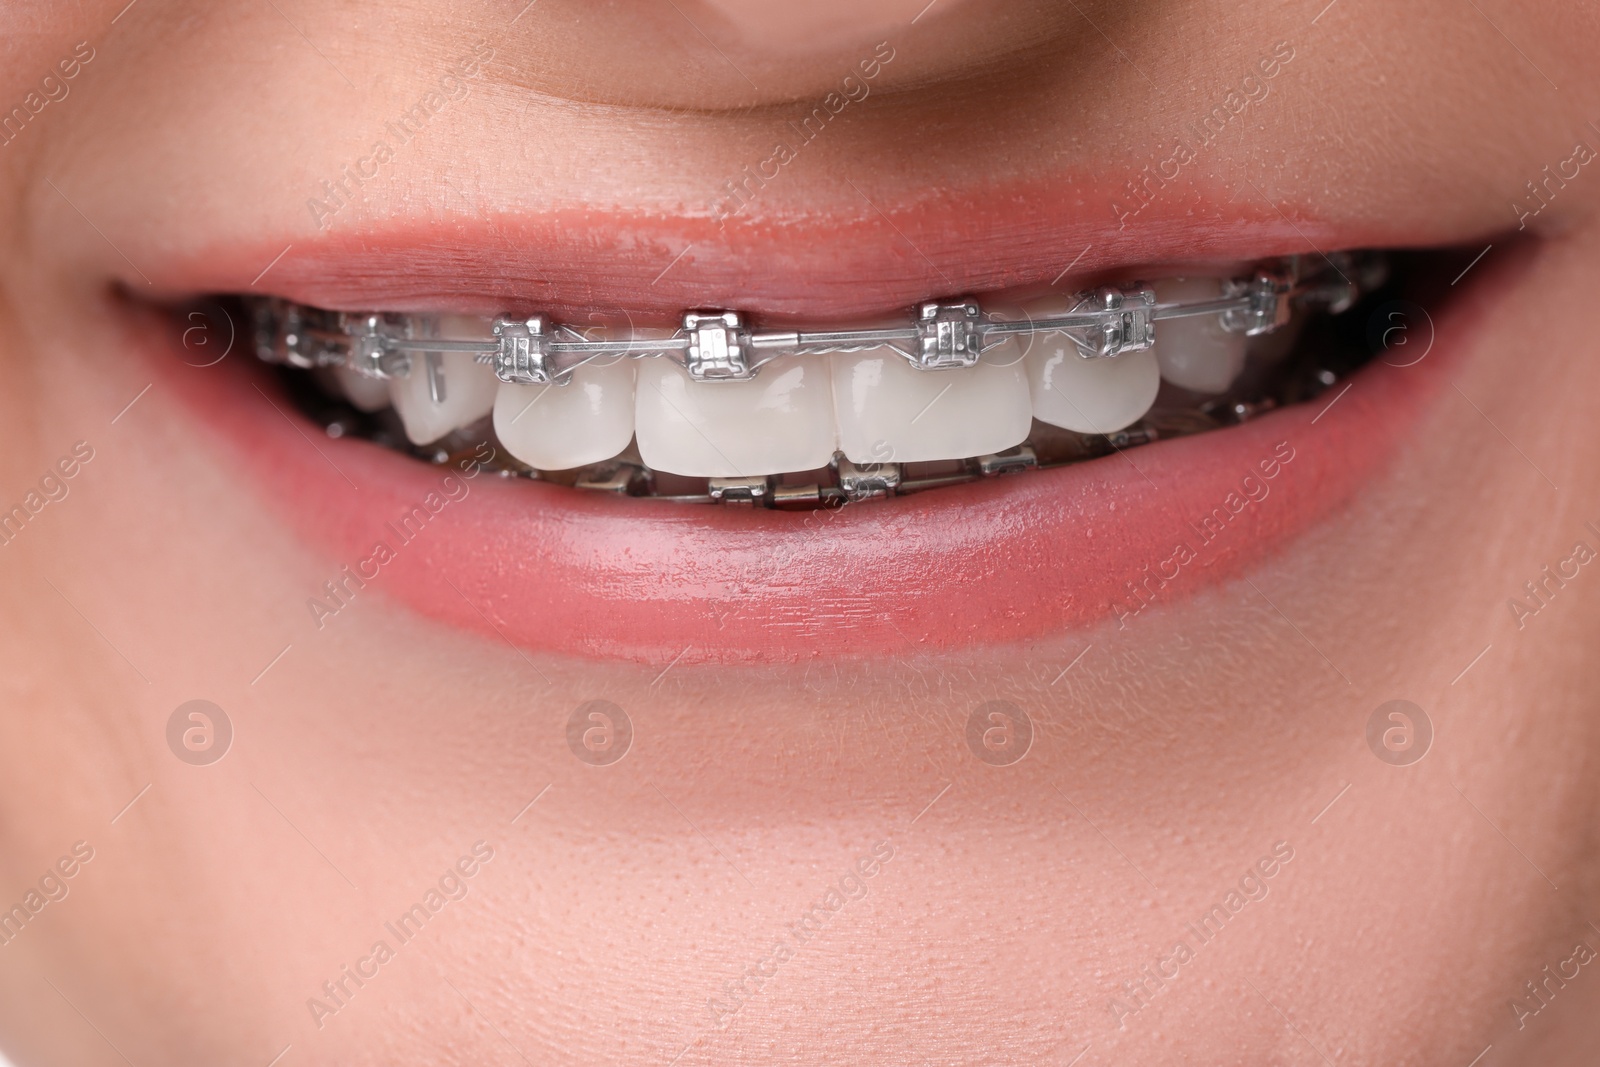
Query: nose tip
pixel 739 55
pixel 818 26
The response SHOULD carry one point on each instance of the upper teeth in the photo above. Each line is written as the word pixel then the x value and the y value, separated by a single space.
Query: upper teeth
pixel 433 400
pixel 1197 353
pixel 780 421
pixel 872 405
pixel 872 398
pixel 889 412
pixel 551 427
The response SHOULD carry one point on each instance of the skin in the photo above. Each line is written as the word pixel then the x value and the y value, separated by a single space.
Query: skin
pixel 1167 760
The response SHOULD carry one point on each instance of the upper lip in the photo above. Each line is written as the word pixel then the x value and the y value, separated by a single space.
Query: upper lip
pixel 859 259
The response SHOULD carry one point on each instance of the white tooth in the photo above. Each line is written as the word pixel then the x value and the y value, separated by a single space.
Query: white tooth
pixel 1196 352
pixel 780 421
pixel 469 389
pixel 557 427
pixel 364 393
pixel 1086 395
pixel 889 411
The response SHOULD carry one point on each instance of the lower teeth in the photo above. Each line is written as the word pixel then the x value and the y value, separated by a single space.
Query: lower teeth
pixel 350 404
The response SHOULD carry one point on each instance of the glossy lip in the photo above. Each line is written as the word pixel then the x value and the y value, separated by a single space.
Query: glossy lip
pixel 555 570
pixel 847 261
pixel 552 569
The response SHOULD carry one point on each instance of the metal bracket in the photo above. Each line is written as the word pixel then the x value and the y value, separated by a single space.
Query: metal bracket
pixel 717 347
pixel 1126 324
pixel 948 335
pixel 738 490
pixel 868 481
pixel 1021 458
pixel 372 348
pixel 1268 302
pixel 524 355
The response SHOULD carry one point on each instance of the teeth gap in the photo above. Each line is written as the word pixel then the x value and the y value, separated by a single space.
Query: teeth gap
pixel 1091 419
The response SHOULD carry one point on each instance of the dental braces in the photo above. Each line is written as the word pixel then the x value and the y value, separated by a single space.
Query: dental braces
pixel 719 346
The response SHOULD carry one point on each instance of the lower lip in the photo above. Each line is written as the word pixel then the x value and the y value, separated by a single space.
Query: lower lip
pixel 557 570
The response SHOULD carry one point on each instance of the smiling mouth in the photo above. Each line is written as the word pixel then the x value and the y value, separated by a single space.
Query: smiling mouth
pixel 720 411
pixel 1171 434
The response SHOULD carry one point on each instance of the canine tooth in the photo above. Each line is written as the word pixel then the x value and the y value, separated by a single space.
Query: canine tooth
pixel 557 427
pixel 1090 395
pixel 468 386
pixel 1196 352
pixel 1085 395
pixel 889 411
pixel 364 393
pixel 782 420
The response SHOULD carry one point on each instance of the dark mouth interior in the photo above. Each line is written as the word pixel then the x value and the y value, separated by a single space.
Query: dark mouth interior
pixel 1323 350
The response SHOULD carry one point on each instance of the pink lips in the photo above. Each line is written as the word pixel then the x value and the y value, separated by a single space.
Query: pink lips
pixel 996 561
pixel 844 260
